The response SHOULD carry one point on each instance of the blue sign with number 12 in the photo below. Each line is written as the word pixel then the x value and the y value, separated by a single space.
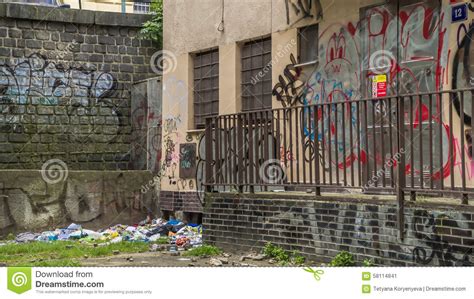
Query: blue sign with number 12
pixel 459 13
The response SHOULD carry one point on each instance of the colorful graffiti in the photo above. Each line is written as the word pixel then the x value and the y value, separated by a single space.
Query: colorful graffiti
pixel 409 46
pixel 463 74
pixel 35 80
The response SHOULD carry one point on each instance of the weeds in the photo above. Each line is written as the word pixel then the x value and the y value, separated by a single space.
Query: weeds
pixel 281 256
pixel 368 263
pixel 205 250
pixel 342 259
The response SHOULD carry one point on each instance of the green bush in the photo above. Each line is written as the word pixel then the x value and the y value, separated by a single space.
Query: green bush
pixel 342 259
pixel 153 29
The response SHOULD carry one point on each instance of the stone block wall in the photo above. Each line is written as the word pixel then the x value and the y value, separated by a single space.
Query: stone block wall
pixel 435 235
pixel 66 79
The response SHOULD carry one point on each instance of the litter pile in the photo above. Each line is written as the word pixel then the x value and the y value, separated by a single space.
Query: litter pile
pixel 174 232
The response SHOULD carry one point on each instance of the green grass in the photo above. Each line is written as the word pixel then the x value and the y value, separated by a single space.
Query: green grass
pixel 56 254
pixel 162 240
pixel 205 250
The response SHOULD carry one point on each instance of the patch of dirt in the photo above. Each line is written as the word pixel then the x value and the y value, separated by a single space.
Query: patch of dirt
pixel 166 259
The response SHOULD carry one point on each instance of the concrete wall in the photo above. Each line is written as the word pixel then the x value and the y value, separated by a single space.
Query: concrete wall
pixel 146 132
pixel 35 200
pixel 435 235
pixel 66 78
pixel 427 47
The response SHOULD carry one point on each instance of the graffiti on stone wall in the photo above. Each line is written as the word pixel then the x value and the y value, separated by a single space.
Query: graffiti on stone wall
pixel 82 92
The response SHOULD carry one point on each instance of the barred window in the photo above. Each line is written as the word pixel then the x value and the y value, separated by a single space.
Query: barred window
pixel 142 7
pixel 257 75
pixel 206 87
pixel 308 44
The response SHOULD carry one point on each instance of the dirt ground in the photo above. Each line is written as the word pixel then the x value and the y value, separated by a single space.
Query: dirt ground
pixel 166 259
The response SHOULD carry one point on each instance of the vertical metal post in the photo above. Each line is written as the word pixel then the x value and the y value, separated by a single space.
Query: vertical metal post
pixel 208 145
pixel 124 6
pixel 239 149
pixel 316 149
pixel 401 167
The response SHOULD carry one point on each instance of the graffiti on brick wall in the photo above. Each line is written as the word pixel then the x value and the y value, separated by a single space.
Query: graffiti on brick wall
pixel 37 82
pixel 428 229
pixel 369 231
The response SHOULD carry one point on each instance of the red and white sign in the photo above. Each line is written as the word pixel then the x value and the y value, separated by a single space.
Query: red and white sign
pixel 379 86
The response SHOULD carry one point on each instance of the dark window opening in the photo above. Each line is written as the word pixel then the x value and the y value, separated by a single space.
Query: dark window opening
pixel 308 44
pixel 257 75
pixel 206 87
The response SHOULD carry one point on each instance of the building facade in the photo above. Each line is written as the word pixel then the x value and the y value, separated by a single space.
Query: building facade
pixel 229 57
pixel 127 6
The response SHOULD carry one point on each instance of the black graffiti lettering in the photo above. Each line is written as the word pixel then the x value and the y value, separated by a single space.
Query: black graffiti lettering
pixel 425 227
pixel 303 9
pixel 289 89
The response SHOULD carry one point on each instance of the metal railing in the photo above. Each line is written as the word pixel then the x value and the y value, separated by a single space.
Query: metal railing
pixel 405 144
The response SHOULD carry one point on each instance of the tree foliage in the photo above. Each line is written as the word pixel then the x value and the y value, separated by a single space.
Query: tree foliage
pixel 153 29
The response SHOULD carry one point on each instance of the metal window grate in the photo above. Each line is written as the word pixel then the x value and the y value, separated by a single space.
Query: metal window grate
pixel 206 86
pixel 308 43
pixel 257 75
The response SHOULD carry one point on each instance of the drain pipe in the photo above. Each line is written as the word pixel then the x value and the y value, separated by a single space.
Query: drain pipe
pixel 123 6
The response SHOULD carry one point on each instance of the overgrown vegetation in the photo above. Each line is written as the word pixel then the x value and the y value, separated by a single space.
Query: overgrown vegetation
pixel 342 259
pixel 61 253
pixel 153 29
pixel 281 256
pixel 204 250
pixel 162 240
pixel 368 263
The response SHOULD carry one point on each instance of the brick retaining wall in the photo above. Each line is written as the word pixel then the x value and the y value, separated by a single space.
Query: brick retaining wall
pixel 319 229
